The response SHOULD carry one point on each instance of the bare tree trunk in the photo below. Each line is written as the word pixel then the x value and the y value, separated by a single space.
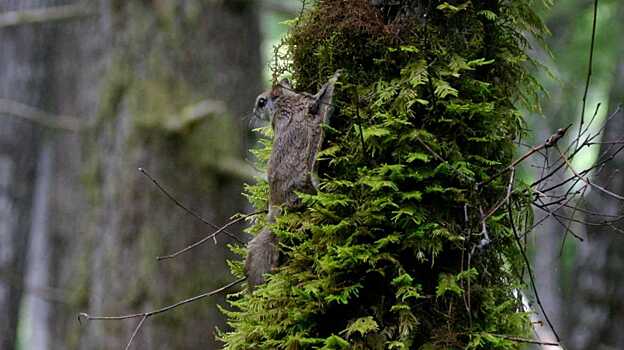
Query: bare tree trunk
pixel 22 68
pixel 598 288
pixel 36 300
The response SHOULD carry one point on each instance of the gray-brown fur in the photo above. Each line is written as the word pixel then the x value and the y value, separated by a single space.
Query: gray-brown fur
pixel 262 254
pixel 296 119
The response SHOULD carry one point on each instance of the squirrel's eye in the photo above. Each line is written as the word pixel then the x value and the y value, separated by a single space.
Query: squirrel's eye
pixel 262 102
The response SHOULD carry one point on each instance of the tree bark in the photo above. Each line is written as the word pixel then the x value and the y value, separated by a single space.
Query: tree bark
pixel 127 75
pixel 598 290
pixel 22 68
pixel 167 57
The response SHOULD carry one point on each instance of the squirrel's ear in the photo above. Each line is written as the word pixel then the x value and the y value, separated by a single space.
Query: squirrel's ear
pixel 285 83
pixel 323 99
pixel 282 88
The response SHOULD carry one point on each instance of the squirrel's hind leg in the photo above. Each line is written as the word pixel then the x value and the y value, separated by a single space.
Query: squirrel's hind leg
pixel 262 257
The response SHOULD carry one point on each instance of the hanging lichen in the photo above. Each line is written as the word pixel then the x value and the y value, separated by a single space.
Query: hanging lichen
pixel 399 249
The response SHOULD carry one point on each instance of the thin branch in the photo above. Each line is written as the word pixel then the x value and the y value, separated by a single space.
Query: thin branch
pixel 436 155
pixel 46 14
pixel 590 65
pixel 588 182
pixel 568 227
pixel 551 141
pixel 530 272
pixel 359 121
pixel 615 218
pixel 525 340
pixel 598 164
pixel 556 217
pixel 182 206
pixel 500 204
pixel 88 317
pixel 136 331
pixel 213 235
pixel 577 149
pixel 37 116
pixel 591 121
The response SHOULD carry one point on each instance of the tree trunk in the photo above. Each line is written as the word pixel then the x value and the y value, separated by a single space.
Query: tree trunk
pixel 405 244
pixel 598 291
pixel 128 74
pixel 164 57
pixel 22 68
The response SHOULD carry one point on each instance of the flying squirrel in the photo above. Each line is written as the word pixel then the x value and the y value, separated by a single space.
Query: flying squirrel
pixel 296 120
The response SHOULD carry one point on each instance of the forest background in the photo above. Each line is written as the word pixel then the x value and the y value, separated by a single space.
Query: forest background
pixel 91 91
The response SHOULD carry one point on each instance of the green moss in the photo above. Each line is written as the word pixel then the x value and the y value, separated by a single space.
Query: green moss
pixel 392 236
pixel 113 91
pixel 155 103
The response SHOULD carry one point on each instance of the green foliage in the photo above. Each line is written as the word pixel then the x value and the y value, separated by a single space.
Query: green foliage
pixel 384 255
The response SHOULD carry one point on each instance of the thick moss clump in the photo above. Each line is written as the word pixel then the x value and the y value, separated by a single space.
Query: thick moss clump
pixel 405 246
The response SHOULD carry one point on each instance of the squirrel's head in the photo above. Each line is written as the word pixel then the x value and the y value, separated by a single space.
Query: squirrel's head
pixel 265 102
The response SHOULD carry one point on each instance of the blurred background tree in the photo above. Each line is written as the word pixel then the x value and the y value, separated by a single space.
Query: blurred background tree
pixel 579 282
pixel 153 84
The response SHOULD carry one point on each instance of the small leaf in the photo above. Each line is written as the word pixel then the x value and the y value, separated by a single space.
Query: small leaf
pixel 447 284
pixel 489 15
pixel 444 89
pixel 446 7
pixel 335 342
pixel 362 326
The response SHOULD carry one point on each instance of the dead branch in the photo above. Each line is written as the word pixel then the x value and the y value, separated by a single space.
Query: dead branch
pixel 135 332
pixel 35 115
pixel 525 340
pixel 212 236
pixel 587 181
pixel 46 14
pixel 589 65
pixel 551 141
pixel 163 309
pixel 530 272
pixel 493 210
pixel 576 150
pixel 183 207
pixel 145 315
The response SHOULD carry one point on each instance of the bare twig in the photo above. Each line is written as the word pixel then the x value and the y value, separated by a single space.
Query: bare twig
pixel 590 65
pixel 530 272
pixel 525 340
pixel 577 149
pixel 183 207
pixel 502 201
pixel 557 218
pixel 145 315
pixel 598 164
pixel 35 115
pixel 587 181
pixel 213 235
pixel 46 14
pixel 136 331
pixel 551 141
pixel 359 121
pixel 88 317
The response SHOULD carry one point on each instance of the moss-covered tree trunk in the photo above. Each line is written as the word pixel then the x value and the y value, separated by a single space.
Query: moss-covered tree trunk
pixel 405 246
pixel 166 84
